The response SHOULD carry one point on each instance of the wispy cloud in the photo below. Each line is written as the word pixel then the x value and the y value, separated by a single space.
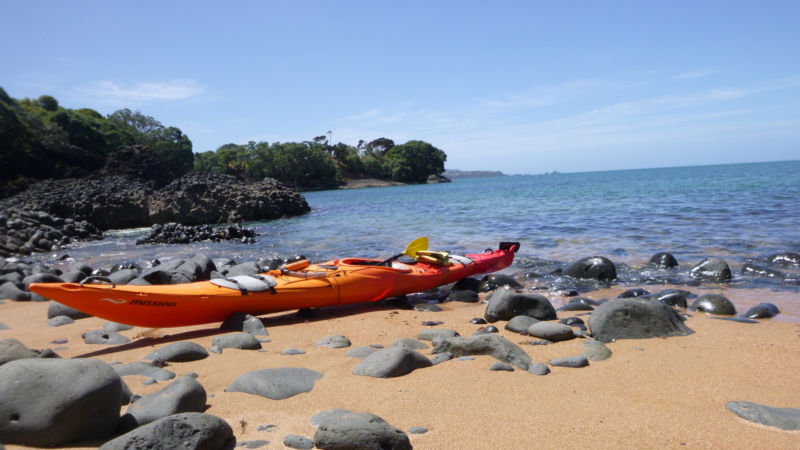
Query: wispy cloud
pixel 693 74
pixel 576 121
pixel 112 92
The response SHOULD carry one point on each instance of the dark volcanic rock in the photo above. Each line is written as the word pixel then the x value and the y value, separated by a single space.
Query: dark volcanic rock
pixel 246 323
pixel 334 341
pixel 432 334
pixel 391 362
pixel 185 431
pixel 465 296
pixel 104 337
pixel 677 299
pixel 711 269
pixel 298 442
pixel 145 369
pixel 761 272
pixel 553 332
pixel 571 361
pixel 276 384
pixel 495 281
pixel 184 394
pixel 783 418
pixel 595 350
pixel 242 341
pixel 714 304
pixel 411 344
pixel 175 233
pixel 595 267
pixel 635 319
pixel 520 324
pixel 485 344
pixel 52 402
pixel 12 349
pixel 59 309
pixel 785 259
pixel 663 260
pixel 179 352
pixel 504 304
pixel 139 162
pixel 762 311
pixel 359 431
pixel 202 198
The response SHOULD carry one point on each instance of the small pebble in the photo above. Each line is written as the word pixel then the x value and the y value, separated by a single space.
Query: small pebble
pixel 293 351
pixel 417 430
pixel 478 321
pixel 59 341
pixel 465 358
pixel 432 323
pixel 268 428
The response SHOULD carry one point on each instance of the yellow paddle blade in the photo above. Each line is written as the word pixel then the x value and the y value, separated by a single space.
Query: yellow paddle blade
pixel 418 244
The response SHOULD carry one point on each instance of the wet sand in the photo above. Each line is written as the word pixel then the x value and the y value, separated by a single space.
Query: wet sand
pixel 655 393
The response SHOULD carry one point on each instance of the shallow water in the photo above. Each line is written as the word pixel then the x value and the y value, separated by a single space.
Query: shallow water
pixel 740 212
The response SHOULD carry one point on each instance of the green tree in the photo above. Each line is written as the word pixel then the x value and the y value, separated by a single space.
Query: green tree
pixel 415 160
pixel 173 147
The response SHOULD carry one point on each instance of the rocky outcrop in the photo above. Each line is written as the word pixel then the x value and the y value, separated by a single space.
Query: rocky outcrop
pixel 51 213
pixel 201 198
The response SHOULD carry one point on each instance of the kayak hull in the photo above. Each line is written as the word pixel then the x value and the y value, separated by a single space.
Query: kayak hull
pixel 333 283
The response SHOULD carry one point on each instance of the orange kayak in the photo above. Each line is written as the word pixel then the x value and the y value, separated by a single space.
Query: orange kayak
pixel 333 283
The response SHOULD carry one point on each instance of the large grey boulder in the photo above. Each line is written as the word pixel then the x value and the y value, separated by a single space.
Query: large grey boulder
pixel 630 318
pixel 179 431
pixel 52 402
pixel 711 269
pixel 485 344
pixel 185 394
pixel 276 384
pixel 504 304
pixel 363 431
pixel 394 361
pixel 624 318
pixel 594 267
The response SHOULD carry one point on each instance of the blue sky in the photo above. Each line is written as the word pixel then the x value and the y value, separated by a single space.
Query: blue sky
pixel 522 87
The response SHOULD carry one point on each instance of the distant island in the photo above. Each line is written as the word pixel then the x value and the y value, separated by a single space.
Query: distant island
pixel 455 173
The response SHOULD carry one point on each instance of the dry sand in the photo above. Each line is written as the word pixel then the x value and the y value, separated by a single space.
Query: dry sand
pixel 656 393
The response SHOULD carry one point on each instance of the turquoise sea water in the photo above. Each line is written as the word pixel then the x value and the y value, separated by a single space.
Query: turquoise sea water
pixel 734 211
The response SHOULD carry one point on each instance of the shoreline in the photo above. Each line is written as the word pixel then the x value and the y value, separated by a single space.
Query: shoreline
pixel 662 392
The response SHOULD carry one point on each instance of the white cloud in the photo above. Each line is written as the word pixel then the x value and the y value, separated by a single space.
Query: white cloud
pixel 115 93
pixel 694 74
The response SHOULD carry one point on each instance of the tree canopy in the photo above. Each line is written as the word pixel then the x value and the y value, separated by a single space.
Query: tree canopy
pixel 41 139
pixel 316 164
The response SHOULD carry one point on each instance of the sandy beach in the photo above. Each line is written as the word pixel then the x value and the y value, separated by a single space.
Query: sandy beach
pixel 655 393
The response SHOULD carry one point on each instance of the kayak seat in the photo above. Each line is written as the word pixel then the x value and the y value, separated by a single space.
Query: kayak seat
pixel 463 260
pixel 247 283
